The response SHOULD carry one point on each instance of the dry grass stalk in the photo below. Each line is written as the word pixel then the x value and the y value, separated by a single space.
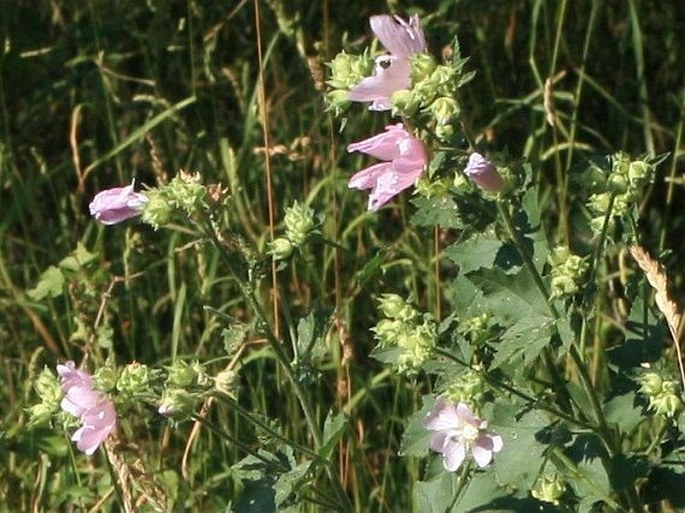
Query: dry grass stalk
pixel 656 276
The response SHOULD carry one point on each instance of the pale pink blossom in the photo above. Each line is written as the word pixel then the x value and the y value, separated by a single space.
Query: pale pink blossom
pixel 92 407
pixel 404 160
pixel 392 71
pixel 115 205
pixel 483 173
pixel 97 424
pixel 458 431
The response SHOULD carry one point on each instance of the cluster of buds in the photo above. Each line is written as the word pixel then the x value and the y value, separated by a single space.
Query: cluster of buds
pixel 185 386
pixel 406 329
pixel 300 223
pixel 184 192
pixel 623 184
pixel 433 93
pixel 468 388
pixel 477 329
pixel 48 389
pixel 567 274
pixel 549 488
pixel 664 395
pixel 346 72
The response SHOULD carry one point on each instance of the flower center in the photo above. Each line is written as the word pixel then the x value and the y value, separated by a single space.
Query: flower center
pixel 470 432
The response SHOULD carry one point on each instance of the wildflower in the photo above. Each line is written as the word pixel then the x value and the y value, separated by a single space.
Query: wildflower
pixel 393 71
pixel 94 409
pixel 405 159
pixel 299 223
pixel 483 173
pixel 115 205
pixel 97 423
pixel 458 430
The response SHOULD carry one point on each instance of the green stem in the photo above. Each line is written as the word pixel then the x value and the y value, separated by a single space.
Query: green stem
pixel 276 346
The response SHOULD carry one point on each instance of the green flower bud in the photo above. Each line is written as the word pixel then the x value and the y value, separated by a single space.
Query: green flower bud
pixel 444 132
pixel 617 184
pixel 666 404
pixel 157 211
pixel 135 380
pixel 620 164
pixel 599 203
pixel 387 332
pixel 185 192
pixel 181 374
pixel 47 386
pixel 299 223
pixel 467 388
pixel 105 378
pixel 176 403
pixel 444 110
pixel 395 307
pixel 568 272
pixel 650 384
pixel 422 66
pixel 404 102
pixel 337 101
pixel 41 413
pixel 549 488
pixel 280 249
pixel 640 173
pixel 476 329
pixel 226 382
pixel 348 70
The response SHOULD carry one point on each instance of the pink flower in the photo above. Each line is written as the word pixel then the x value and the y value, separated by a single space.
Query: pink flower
pixel 458 430
pixel 393 71
pixel 481 172
pixel 97 424
pixel 94 409
pixel 404 156
pixel 115 205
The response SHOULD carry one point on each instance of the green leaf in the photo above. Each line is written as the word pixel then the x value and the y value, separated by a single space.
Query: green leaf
pixel 311 331
pixel 510 297
pixel 416 437
pixel 436 211
pixel 78 259
pixel 371 270
pixel 51 283
pixel 437 494
pixel 518 464
pixel 623 411
pixel 333 428
pixel 524 341
pixel 288 483
pixel 625 470
pixel 483 250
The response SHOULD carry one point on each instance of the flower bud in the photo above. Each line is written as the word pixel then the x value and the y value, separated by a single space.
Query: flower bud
pixel 422 66
pixel 186 192
pixel 181 374
pixel 640 173
pixel 299 223
pixel 666 404
pixel 484 174
pixel 177 404
pixel 404 102
pixel 226 381
pixel 444 132
pixel 395 307
pixel 105 378
pixel 387 332
pixel 41 413
pixel 280 248
pixel 157 211
pixel 337 101
pixel 115 205
pixel 650 384
pixel 467 388
pixel 348 70
pixel 134 380
pixel 47 386
pixel 549 488
pixel 444 110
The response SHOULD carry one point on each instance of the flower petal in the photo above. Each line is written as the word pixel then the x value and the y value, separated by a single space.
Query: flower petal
pixel 453 455
pixel 399 37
